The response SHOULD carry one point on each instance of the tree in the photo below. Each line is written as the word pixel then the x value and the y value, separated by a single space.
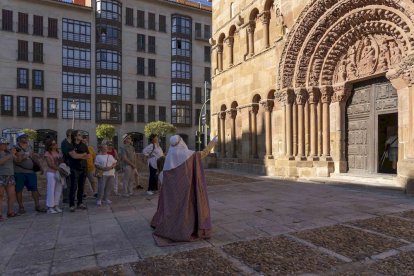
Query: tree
pixel 105 131
pixel 30 132
pixel 160 128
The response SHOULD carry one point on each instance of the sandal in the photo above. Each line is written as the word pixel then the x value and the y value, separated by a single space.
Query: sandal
pixel 22 211
pixel 12 215
pixel 41 209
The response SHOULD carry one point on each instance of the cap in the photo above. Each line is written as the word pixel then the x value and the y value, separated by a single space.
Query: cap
pixel 125 136
pixel 4 141
pixel 21 135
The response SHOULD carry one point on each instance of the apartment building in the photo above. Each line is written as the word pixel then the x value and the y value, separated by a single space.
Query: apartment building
pixel 85 63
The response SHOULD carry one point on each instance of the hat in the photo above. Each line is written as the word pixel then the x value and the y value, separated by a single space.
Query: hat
pixel 125 136
pixel 21 135
pixel 4 141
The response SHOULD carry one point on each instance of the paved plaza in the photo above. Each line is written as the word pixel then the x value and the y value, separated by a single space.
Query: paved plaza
pixel 261 225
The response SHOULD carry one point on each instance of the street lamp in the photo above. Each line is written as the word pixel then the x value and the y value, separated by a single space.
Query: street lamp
pixel 73 106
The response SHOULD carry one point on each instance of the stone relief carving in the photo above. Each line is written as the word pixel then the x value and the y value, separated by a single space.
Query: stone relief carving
pixel 280 25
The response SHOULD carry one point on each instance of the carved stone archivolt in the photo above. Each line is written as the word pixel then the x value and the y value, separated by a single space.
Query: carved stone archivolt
pixel 334 41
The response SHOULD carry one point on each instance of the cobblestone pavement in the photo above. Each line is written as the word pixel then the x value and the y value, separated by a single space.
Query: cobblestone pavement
pixel 261 226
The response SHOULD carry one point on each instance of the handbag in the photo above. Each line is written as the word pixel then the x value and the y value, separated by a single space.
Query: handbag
pixel 99 172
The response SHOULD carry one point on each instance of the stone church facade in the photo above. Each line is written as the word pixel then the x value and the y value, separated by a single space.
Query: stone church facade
pixel 312 88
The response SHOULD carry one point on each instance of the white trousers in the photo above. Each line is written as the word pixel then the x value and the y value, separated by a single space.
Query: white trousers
pixel 54 190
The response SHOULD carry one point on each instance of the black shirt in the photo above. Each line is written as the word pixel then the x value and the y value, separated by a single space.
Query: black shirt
pixel 64 147
pixel 77 164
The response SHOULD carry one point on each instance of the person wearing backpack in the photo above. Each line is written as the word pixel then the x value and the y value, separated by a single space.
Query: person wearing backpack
pixel 153 151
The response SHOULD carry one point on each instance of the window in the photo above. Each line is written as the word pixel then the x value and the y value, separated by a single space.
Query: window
pixel 151 67
pixel 76 57
pixel 107 110
pixel 22 50
pixel 197 116
pixel 198 33
pixel 151 90
pixel 181 114
pixel 82 112
pixel 7 20
pixel 232 10
pixel 181 70
pixel 75 30
pixel 7 105
pixel 22 108
pixel 51 108
pixel 181 47
pixel 140 90
pixel 162 113
pixel 22 78
pixel 162 27
pixel 180 92
pixel 129 112
pixel 37 25
pixel 198 96
pixel 207 31
pixel 181 24
pixel 207 74
pixel 140 19
pixel 140 43
pixel 140 66
pixel 37 52
pixel 37 79
pixel 129 17
pixel 108 85
pixel 108 60
pixel 108 10
pixel 207 54
pixel 76 83
pixel 151 44
pixel 23 24
pixel 141 113
pixel 37 106
pixel 151 21
pixel 151 113
pixel 52 27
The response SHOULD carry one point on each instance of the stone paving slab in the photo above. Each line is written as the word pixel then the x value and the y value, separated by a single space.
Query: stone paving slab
pixel 244 207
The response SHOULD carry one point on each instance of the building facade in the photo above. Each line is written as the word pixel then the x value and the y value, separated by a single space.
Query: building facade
pixel 87 62
pixel 313 88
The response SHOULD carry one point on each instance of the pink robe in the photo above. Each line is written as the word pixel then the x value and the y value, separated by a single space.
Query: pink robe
pixel 183 212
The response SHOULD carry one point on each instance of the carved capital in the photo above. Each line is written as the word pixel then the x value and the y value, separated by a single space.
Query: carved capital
pixel 341 93
pixel 251 26
pixel 254 108
pixel 326 94
pixel 265 17
pixel 285 96
pixel 219 48
pixel 314 95
pixel 222 115
pixel 212 41
pixel 267 105
pixel 230 41
pixel 232 113
pixel 301 95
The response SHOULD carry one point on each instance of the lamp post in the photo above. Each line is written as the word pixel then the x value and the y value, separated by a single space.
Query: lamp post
pixel 203 113
pixel 73 106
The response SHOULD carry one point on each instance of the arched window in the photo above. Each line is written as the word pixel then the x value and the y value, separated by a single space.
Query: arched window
pixel 232 10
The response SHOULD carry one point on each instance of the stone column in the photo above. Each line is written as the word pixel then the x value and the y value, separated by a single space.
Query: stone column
pixel 250 32
pixel 253 112
pixel 265 21
pixel 230 44
pixel 326 93
pixel 233 115
pixel 307 129
pixel 339 98
pixel 295 128
pixel 223 133
pixel 218 132
pixel 268 107
pixel 220 57
pixel 301 97
pixel 313 103
pixel 319 126
pixel 217 60
pixel 289 99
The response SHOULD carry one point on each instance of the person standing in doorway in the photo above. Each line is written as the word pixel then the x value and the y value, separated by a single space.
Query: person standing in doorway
pixel 391 146
pixel 153 151
pixel 78 154
pixel 90 168
pixel 64 147
pixel 24 172
pixel 127 153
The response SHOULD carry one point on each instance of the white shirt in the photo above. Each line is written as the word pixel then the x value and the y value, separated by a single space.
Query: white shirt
pixel 106 160
pixel 153 153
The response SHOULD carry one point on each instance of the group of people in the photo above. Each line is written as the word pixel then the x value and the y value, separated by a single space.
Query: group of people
pixel 183 212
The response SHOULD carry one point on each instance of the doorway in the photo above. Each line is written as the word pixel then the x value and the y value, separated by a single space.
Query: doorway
pixel 387 127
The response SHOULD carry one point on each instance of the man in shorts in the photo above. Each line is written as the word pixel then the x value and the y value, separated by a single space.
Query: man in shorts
pixel 24 172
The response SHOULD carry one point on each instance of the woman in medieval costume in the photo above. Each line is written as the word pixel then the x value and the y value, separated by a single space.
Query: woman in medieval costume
pixel 183 212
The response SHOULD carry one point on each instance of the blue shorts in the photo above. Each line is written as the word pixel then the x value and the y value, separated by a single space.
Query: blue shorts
pixel 26 179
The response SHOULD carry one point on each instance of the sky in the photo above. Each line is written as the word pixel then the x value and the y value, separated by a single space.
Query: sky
pixel 205 2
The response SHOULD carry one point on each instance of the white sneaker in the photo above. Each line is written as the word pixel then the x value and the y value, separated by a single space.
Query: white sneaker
pixel 150 192
pixel 51 210
pixel 57 209
pixel 108 201
pixel 99 202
